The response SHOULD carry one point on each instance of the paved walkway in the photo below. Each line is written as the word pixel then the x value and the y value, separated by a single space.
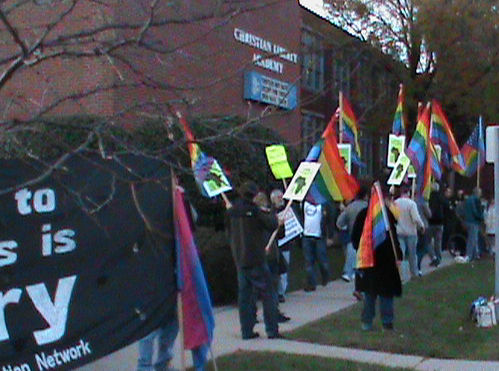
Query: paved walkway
pixel 302 308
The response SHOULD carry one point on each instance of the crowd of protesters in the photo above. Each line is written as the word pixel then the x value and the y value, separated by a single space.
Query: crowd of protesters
pixel 419 228
pixel 255 223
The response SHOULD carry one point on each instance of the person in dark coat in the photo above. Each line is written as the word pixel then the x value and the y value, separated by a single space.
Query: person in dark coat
pixel 438 205
pixel 246 225
pixel 383 279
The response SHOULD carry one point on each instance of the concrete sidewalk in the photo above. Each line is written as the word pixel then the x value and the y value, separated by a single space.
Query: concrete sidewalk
pixel 302 307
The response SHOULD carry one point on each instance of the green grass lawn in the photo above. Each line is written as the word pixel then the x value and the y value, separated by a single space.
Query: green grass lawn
pixel 431 319
pixel 270 361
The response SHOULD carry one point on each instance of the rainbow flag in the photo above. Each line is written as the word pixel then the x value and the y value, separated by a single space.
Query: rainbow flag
pixel 473 149
pixel 198 320
pixel 399 126
pixel 375 229
pixel 206 169
pixel 423 155
pixel 350 133
pixel 332 181
pixel 441 133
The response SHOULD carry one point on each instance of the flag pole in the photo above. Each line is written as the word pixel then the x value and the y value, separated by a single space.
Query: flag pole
pixel 340 139
pixel 284 183
pixel 228 204
pixel 213 359
pixel 413 187
pixel 180 311
pixel 478 157
pixel 180 315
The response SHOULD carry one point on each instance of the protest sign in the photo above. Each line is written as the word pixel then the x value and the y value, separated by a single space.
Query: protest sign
pixel 345 150
pixel 292 226
pixel 82 276
pixel 278 161
pixel 396 146
pixel 399 170
pixel 302 180
pixel 213 179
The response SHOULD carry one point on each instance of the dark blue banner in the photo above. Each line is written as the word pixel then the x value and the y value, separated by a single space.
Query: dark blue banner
pixel 86 259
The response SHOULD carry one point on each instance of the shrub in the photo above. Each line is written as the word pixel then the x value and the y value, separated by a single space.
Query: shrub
pixel 218 265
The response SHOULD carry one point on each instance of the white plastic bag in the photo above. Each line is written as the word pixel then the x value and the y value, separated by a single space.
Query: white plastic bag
pixel 486 315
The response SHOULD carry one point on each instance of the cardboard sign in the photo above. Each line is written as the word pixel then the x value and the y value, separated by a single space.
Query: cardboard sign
pixel 399 170
pixel 292 227
pixel 302 180
pixel 345 150
pixel 396 146
pixel 278 161
pixel 215 181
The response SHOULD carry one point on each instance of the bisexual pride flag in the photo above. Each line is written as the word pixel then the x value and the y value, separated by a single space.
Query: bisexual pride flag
pixel 198 320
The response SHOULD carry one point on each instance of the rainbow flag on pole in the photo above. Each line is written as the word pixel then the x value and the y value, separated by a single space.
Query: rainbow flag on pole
pixel 208 174
pixel 473 150
pixel 399 126
pixel 198 321
pixel 423 155
pixel 375 229
pixel 441 133
pixel 332 181
pixel 350 132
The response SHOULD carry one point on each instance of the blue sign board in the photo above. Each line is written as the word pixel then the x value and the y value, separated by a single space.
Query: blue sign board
pixel 268 90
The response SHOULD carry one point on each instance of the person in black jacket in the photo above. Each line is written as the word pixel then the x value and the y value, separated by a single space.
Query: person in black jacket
pixel 246 225
pixel 438 205
pixel 382 280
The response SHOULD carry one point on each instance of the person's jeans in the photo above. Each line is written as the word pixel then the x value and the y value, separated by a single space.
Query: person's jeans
pixel 436 233
pixel 283 282
pixel 408 246
pixel 422 247
pixel 165 337
pixel 254 281
pixel 350 257
pixel 472 240
pixel 385 308
pixel 314 249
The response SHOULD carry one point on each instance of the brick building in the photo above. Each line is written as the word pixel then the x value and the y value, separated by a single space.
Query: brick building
pixel 276 62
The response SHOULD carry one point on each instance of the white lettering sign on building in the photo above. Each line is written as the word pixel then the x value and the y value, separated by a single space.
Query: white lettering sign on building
pixel 274 50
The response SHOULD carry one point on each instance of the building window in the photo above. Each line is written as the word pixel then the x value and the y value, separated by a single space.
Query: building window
pixel 312 61
pixel 312 128
pixel 341 70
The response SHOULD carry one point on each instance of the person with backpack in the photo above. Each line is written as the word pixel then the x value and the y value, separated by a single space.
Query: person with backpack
pixel 436 224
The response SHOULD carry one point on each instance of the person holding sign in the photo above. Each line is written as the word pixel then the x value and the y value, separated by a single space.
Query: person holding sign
pixel 273 254
pixel 317 224
pixel 292 229
pixel 246 225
